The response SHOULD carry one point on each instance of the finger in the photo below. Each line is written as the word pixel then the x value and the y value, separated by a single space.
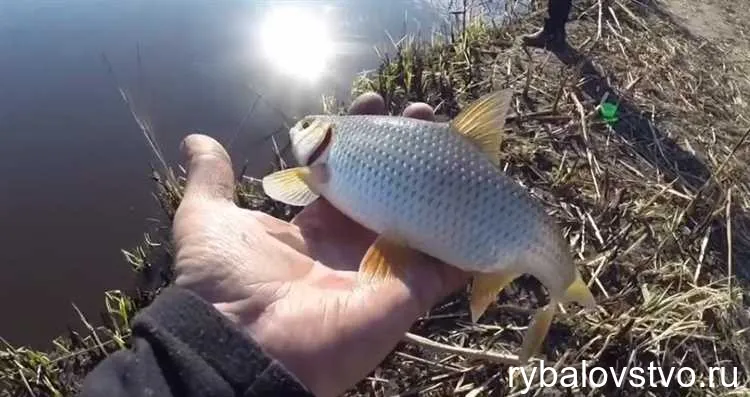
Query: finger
pixel 425 282
pixel 433 281
pixel 210 173
pixel 331 237
pixel 368 103
pixel 399 302
pixel 420 111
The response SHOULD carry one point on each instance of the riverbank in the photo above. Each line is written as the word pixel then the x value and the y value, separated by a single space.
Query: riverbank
pixel 654 203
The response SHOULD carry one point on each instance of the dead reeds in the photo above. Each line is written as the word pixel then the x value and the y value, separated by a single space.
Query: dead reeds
pixel 654 204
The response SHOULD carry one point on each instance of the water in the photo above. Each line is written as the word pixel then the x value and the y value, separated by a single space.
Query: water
pixel 74 167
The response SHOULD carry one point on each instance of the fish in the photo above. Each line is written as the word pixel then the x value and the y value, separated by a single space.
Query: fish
pixel 435 188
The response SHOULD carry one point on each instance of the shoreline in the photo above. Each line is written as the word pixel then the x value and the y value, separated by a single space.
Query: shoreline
pixel 656 205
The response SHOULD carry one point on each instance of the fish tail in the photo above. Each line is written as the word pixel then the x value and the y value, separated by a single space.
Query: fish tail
pixel 537 332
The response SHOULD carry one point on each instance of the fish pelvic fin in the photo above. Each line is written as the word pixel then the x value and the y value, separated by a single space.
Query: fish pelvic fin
pixel 537 332
pixel 482 122
pixel 484 290
pixel 385 259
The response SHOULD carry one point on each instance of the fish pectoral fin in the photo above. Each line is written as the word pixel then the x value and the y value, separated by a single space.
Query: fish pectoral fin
pixel 579 293
pixel 484 290
pixel 537 331
pixel 385 259
pixel 290 186
pixel 482 122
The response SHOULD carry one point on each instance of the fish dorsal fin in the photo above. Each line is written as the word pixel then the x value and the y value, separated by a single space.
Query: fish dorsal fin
pixel 290 186
pixel 482 122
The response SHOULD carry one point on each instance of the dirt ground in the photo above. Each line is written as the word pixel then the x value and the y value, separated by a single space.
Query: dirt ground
pixel 726 23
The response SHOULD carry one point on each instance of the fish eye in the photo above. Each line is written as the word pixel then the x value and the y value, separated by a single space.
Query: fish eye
pixel 305 124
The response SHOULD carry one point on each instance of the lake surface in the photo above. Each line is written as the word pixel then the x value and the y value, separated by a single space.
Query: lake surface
pixel 74 166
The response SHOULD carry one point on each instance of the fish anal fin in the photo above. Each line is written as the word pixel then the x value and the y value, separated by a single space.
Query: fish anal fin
pixel 385 259
pixel 484 290
pixel 482 122
pixel 537 332
pixel 290 186
pixel 579 293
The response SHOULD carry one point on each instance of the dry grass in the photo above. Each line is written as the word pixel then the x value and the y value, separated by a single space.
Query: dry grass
pixel 26 372
pixel 655 207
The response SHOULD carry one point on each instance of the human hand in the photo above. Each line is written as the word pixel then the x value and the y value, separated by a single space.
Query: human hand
pixel 293 287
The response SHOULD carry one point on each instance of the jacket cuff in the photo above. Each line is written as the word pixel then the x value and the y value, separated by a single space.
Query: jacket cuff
pixel 187 326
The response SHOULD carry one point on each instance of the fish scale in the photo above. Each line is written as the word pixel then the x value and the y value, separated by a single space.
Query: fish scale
pixel 435 188
pixel 424 184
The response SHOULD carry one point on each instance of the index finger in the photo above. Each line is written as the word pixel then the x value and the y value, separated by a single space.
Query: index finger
pixel 210 174
pixel 332 237
pixel 420 110
pixel 340 231
pixel 368 103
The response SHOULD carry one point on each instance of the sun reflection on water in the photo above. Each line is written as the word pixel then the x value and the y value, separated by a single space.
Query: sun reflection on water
pixel 297 42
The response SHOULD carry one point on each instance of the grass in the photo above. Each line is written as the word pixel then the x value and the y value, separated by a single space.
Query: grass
pixel 655 207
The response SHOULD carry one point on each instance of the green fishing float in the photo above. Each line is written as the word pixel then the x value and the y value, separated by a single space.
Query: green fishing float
pixel 608 111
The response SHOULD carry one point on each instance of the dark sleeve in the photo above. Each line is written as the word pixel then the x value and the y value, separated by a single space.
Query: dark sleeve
pixel 182 346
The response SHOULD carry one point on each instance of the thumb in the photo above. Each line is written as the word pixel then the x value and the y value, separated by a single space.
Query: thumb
pixel 210 174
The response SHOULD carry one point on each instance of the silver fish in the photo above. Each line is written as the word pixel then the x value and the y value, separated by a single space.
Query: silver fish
pixel 435 188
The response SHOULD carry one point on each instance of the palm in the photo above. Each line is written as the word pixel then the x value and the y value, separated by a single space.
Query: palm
pixel 293 286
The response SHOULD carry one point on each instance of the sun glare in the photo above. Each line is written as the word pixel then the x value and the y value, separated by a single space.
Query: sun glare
pixel 297 42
